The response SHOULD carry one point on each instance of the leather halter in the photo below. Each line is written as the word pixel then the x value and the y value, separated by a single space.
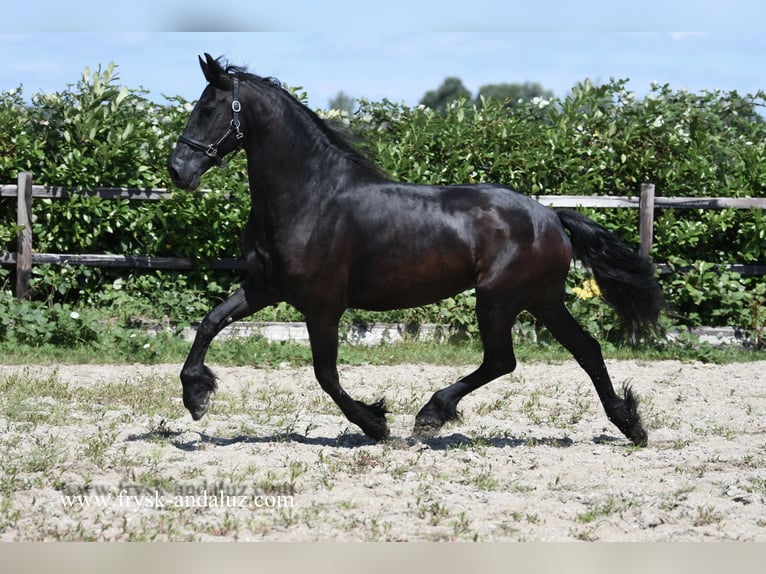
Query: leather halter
pixel 212 149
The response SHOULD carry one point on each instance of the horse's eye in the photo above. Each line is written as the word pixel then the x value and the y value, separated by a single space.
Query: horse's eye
pixel 208 111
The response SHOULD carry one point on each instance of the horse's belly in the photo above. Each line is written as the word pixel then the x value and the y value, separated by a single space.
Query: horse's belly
pixel 385 287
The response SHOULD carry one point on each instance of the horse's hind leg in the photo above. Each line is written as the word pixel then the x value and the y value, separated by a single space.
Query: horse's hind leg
pixel 197 379
pixel 495 322
pixel 323 334
pixel 622 411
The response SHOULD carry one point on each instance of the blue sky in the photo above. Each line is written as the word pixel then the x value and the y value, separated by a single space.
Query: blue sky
pixel 396 50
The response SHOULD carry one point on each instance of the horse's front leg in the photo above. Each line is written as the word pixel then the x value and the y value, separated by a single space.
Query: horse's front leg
pixel 323 334
pixel 197 379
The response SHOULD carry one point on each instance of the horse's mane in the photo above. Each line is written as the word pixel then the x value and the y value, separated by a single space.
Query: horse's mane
pixel 335 137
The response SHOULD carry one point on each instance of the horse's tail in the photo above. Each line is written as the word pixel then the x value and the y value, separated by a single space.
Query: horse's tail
pixel 625 278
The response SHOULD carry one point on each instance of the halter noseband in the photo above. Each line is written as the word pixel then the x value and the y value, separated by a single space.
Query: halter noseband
pixel 212 149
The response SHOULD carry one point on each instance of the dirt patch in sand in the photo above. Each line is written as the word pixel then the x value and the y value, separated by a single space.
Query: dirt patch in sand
pixel 108 453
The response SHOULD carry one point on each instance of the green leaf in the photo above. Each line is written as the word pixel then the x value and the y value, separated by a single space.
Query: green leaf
pixel 121 96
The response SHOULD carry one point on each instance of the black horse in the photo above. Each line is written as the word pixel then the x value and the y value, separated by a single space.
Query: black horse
pixel 329 231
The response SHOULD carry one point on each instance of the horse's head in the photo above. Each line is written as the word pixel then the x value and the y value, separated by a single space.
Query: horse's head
pixel 213 130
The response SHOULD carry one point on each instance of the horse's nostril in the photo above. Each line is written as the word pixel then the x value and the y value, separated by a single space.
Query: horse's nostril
pixel 174 177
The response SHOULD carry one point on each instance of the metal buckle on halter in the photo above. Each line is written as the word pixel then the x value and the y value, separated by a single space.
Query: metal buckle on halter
pixel 236 107
pixel 235 125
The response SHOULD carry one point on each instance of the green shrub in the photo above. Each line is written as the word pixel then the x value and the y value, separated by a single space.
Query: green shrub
pixel 599 139
pixel 33 323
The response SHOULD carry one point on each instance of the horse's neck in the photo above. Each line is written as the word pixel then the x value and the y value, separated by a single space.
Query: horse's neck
pixel 293 163
pixel 285 176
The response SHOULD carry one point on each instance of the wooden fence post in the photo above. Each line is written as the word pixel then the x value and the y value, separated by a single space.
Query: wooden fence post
pixel 24 237
pixel 646 218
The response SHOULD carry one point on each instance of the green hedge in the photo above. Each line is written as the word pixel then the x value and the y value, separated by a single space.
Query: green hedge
pixel 597 140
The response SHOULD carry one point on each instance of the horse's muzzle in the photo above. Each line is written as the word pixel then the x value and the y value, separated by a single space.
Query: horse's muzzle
pixel 181 175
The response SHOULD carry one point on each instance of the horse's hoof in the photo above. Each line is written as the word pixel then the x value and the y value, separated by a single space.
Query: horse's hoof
pixel 378 432
pixel 199 405
pixel 431 418
pixel 639 437
pixel 423 430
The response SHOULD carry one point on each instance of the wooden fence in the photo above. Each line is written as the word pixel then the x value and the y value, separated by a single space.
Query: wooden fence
pixel 25 257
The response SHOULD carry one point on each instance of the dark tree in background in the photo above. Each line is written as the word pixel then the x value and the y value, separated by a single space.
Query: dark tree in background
pixel 512 93
pixel 342 102
pixel 450 90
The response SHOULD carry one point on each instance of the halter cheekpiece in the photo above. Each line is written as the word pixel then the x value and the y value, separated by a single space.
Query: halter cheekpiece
pixel 212 149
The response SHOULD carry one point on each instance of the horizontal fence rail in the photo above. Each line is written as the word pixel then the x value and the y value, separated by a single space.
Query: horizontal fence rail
pixel 24 257
pixel 131 261
pixel 54 192
pixel 609 201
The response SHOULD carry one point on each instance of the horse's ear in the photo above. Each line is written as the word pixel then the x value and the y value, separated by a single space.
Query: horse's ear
pixel 213 71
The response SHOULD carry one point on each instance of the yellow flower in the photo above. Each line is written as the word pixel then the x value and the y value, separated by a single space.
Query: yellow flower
pixel 588 290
